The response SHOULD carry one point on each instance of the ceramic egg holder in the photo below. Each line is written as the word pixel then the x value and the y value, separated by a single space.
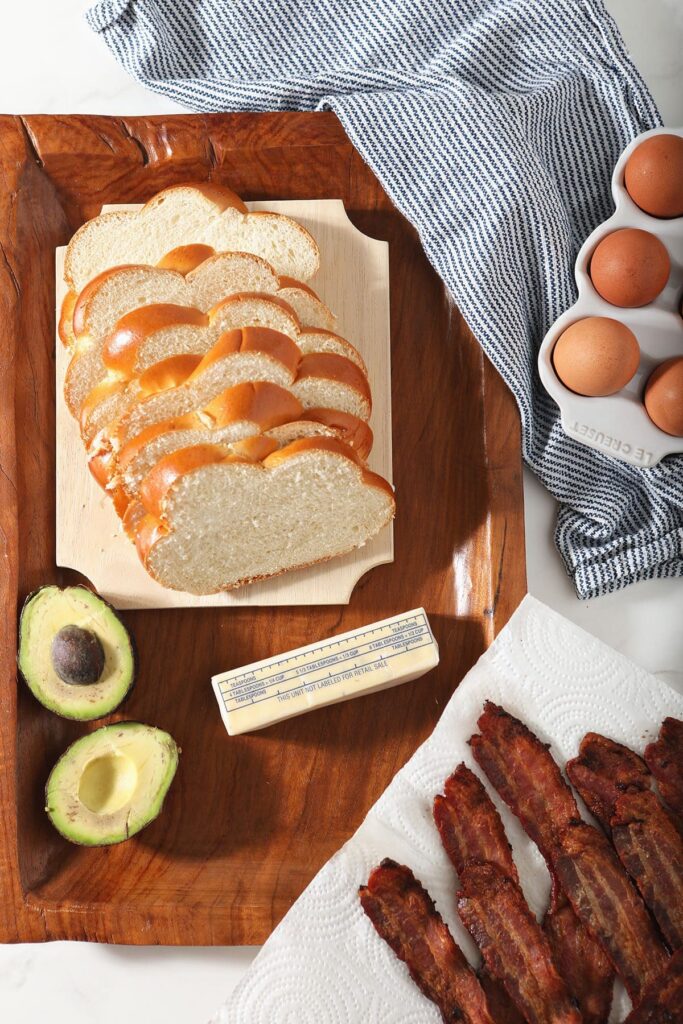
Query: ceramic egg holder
pixel 619 424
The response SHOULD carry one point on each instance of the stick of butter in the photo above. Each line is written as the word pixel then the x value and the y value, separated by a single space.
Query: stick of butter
pixel 362 661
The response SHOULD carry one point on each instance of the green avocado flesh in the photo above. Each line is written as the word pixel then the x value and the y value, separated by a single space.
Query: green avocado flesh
pixel 110 784
pixel 45 614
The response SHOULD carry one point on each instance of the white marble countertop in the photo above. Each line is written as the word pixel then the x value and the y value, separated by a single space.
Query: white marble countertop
pixel 50 62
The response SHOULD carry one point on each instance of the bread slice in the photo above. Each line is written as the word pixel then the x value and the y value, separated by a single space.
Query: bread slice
pixel 154 334
pixel 191 275
pixel 242 354
pixel 324 380
pixel 104 343
pixel 203 214
pixel 245 410
pixel 321 380
pixel 266 408
pixel 217 520
pixel 320 339
pixel 326 423
pixel 331 381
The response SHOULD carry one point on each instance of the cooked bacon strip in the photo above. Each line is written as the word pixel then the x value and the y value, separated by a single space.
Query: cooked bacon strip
pixel 602 771
pixel 651 849
pixel 405 917
pixel 603 898
pixel 586 865
pixel 469 824
pixel 664 758
pixel 501 1007
pixel 615 784
pixel 579 959
pixel 514 948
pixel 525 775
pixel 473 835
pixel 663 1001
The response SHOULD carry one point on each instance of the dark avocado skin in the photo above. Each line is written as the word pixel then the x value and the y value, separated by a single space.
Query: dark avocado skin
pixel 135 661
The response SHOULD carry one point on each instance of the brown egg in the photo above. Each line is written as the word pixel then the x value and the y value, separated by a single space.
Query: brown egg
pixel 629 267
pixel 596 356
pixel 654 176
pixel 664 396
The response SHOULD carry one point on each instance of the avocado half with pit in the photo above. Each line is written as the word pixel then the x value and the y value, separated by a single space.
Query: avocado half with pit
pixel 108 785
pixel 75 653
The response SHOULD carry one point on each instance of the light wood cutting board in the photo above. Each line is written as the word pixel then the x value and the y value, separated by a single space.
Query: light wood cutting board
pixel 354 282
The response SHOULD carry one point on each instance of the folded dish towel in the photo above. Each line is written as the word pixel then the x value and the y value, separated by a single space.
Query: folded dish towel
pixel 494 126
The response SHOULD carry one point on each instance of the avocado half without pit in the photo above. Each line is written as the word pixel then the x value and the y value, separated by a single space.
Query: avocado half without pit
pixel 75 653
pixel 108 785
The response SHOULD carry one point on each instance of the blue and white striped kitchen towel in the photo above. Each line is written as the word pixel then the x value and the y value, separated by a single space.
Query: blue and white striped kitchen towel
pixel 494 126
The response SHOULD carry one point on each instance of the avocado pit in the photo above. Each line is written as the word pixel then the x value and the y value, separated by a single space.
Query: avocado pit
pixel 77 656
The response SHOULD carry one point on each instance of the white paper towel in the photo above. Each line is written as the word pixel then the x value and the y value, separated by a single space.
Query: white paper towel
pixel 324 963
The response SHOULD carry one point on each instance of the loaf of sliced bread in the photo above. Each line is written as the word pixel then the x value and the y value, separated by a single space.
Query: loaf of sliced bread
pixel 199 214
pixel 104 344
pixel 217 520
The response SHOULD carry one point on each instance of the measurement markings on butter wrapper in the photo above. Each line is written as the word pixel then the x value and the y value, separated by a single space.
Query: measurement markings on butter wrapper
pixel 343 658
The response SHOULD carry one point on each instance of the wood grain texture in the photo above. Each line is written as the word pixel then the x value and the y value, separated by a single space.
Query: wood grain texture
pixel 249 819
pixel 353 281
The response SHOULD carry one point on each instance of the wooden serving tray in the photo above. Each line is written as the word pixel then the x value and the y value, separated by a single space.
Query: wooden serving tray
pixel 353 281
pixel 249 819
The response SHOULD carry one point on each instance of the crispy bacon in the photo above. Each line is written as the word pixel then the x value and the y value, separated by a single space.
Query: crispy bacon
pixel 469 824
pixel 405 917
pixel 651 849
pixel 615 784
pixel 514 948
pixel 604 899
pixel 664 758
pixel 525 775
pixel 579 959
pixel 587 867
pixel 663 1001
pixel 473 834
pixel 502 1008
pixel 602 771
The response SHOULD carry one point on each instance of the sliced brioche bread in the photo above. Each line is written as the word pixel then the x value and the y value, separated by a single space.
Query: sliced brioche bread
pixel 331 381
pixel 115 413
pixel 242 354
pixel 241 419
pixel 341 387
pixel 199 214
pixel 183 277
pixel 245 411
pixel 217 520
pixel 252 447
pixel 147 333
pixel 319 339
pixel 326 423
